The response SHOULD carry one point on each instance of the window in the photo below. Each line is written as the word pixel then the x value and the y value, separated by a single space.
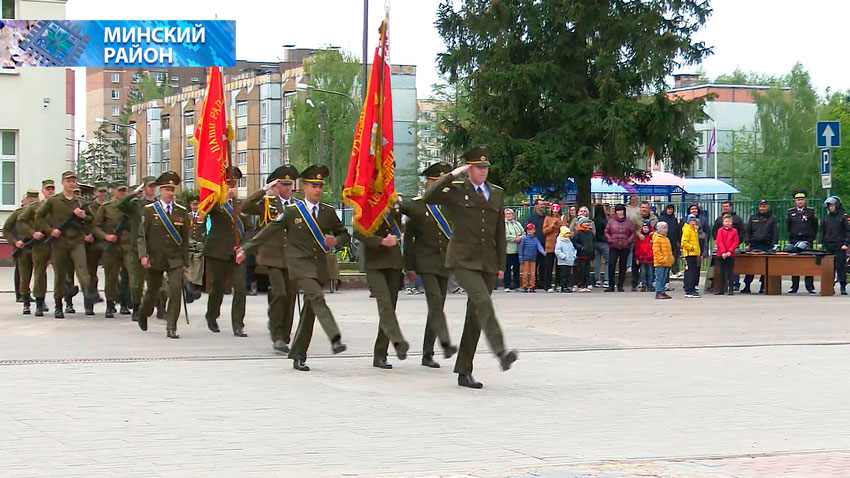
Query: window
pixel 131 148
pixel 241 109
pixel 242 157
pixel 195 79
pixel 133 169
pixel 166 124
pixel 264 159
pixel 189 121
pixel 242 182
pixel 8 11
pixel 241 134
pixel 190 165
pixel 116 110
pixel 263 110
pixel 159 77
pixel 115 77
pixel 700 139
pixel 288 102
pixel 114 127
pixel 263 133
pixel 8 164
pixel 115 95
pixel 136 77
pixel 190 150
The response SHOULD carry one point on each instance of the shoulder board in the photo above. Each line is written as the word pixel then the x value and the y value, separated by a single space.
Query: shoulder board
pixel 458 182
pixel 417 198
pixel 328 205
pixel 150 205
pixel 496 187
pixel 270 196
pixel 292 204
pixel 181 207
pixel 791 209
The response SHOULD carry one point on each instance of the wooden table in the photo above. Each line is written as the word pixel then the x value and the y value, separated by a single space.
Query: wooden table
pixel 774 266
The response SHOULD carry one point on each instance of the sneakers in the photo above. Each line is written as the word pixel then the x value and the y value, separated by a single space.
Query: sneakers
pixel 668 288
pixel 507 289
pixel 692 295
pixel 550 291
pixel 662 296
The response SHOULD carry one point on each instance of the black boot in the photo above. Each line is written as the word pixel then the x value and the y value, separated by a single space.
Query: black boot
pixel 26 300
pixel 110 309
pixel 192 294
pixel 160 309
pixel 57 313
pixel 506 359
pixel 39 307
pixel 89 297
pixel 467 380
pixel 124 309
pixel 69 305
pixel 428 361
pixel 136 309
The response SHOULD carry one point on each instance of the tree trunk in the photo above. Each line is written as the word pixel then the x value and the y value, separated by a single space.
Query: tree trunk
pixel 583 189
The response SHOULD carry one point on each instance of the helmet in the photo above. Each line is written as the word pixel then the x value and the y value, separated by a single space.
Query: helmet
pixel 832 200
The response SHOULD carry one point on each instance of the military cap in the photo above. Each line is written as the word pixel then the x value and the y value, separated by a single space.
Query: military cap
pixel 47 183
pixel 800 194
pixel 69 174
pixel 149 180
pixel 168 178
pixel 436 170
pixel 119 185
pixel 32 193
pixel 77 190
pixel 315 174
pixel 101 187
pixel 763 201
pixel 235 173
pixel 286 174
pixel 479 155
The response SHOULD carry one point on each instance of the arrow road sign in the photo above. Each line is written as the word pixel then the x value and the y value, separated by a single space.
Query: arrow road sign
pixel 828 134
pixel 825 161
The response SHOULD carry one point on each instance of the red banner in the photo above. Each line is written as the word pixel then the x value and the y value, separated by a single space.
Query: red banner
pixel 211 141
pixel 370 184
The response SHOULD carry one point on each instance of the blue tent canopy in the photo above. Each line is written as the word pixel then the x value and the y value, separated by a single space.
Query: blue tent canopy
pixel 708 186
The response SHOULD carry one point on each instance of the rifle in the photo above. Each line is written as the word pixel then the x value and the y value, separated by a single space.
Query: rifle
pixel 71 220
pixel 119 229
pixel 28 243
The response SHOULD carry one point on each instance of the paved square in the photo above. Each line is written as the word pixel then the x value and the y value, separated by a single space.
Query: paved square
pixel 607 385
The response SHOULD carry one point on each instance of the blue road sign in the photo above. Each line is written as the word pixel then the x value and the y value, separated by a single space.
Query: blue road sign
pixel 825 161
pixel 828 134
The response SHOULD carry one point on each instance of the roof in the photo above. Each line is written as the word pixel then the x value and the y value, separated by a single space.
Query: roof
pixel 708 186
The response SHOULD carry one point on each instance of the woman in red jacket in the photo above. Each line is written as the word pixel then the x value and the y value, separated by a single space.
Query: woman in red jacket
pixel 727 242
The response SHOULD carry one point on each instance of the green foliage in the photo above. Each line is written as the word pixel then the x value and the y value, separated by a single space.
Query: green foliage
pixel 102 160
pixel 145 88
pixel 454 119
pixel 739 77
pixel 563 89
pixel 185 196
pixel 788 158
pixel 838 108
pixel 334 71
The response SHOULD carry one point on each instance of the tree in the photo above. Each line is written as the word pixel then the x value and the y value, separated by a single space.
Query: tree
pixel 788 158
pixel 334 71
pixel 102 160
pixel 566 89
pixel 739 77
pixel 454 119
pixel 146 88
pixel 838 109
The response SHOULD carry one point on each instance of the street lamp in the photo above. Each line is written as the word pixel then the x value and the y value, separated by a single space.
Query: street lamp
pixel 306 87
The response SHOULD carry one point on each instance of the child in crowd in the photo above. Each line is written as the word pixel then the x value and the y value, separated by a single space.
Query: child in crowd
pixel 662 256
pixel 692 254
pixel 528 250
pixel 644 257
pixel 565 252
pixel 727 242
pixel 583 244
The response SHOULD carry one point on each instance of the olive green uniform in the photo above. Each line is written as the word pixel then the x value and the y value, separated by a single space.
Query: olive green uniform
pixel 24 259
pixel 166 256
pixel 27 225
pixel 308 267
pixel 134 207
pixel 220 257
pixel 384 276
pixel 197 231
pixel 94 250
pixel 69 250
pixel 106 220
pixel 476 252
pixel 425 246
pixel 282 295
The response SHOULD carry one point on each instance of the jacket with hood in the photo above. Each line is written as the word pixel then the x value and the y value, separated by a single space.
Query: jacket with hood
pixel 690 241
pixel 620 233
pixel 565 252
pixel 835 229
pixel 674 233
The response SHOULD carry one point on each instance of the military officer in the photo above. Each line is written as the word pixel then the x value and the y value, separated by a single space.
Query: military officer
pixel 133 205
pixel 312 229
pixel 30 226
pixel 225 235
pixel 476 253
pixel 64 217
pixel 426 238
pixel 802 227
pixel 196 245
pixel 164 249
pixel 268 203
pixel 94 249
pixel 384 263
pixel 23 264
pixel 110 226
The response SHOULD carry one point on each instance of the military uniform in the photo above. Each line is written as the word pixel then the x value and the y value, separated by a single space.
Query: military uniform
pixel 282 293
pixel 27 224
pixel 834 235
pixel 166 253
pixel 197 234
pixel 383 274
pixel 134 208
pixel 109 221
pixel 69 251
pixel 308 266
pixel 476 252
pixel 226 233
pixel 426 239
pixel 94 250
pixel 23 263
pixel 802 225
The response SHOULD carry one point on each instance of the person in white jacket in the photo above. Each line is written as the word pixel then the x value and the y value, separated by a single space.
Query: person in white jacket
pixel 565 253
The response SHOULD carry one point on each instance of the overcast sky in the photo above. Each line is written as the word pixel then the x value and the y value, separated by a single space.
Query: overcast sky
pixel 767 36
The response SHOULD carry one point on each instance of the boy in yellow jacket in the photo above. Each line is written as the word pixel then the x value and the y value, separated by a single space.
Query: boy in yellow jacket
pixel 692 254
pixel 662 255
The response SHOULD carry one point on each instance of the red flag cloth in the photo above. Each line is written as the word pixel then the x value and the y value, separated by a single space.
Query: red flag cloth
pixel 370 184
pixel 210 139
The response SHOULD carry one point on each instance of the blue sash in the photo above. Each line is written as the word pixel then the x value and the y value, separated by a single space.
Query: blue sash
pixel 393 225
pixel 166 221
pixel 318 235
pixel 442 222
pixel 229 208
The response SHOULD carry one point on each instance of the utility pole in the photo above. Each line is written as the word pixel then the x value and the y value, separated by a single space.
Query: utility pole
pixel 363 78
